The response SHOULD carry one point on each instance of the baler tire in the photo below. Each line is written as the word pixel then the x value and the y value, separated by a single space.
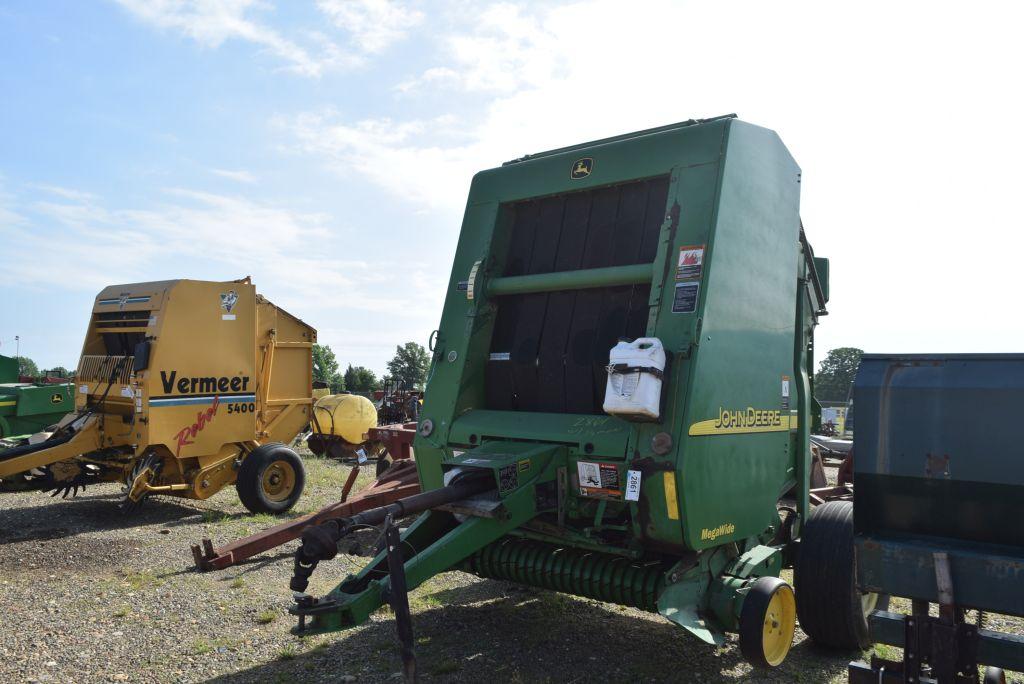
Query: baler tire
pixel 250 482
pixel 767 622
pixel 832 612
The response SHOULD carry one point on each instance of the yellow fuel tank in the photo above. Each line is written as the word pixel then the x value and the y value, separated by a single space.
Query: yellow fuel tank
pixel 345 416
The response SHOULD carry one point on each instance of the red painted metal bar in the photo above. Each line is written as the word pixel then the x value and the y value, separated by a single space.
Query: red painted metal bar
pixel 396 438
pixel 398 482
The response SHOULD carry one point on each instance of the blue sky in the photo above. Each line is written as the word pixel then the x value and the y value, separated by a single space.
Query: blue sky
pixel 325 148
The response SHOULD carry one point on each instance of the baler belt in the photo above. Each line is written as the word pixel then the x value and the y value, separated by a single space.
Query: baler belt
pixel 549 350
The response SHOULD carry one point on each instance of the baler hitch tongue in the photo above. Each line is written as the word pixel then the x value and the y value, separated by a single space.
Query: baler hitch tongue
pixel 320 542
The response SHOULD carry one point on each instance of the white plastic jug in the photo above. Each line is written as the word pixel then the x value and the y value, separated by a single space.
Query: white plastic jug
pixel 635 372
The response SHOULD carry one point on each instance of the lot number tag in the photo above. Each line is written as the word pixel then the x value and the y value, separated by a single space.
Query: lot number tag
pixel 633 485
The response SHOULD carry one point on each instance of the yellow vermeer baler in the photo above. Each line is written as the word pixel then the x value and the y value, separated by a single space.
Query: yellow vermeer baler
pixel 183 388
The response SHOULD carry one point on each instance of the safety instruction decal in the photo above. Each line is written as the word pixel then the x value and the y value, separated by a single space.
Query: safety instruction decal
pixel 508 478
pixel 599 480
pixel 685 299
pixel 785 391
pixel 691 262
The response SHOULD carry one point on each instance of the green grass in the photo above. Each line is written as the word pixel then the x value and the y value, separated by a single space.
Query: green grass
pixel 141 580
pixel 288 653
pixel 266 617
pixel 237 583
pixel 419 603
pixel 888 652
pixel 121 612
pixel 216 517
pixel 203 646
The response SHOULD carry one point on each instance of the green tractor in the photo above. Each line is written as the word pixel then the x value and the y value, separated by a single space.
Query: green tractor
pixel 619 400
pixel 28 407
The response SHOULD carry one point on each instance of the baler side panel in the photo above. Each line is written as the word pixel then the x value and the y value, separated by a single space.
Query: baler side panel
pixel 202 378
pixel 285 400
pixel 692 204
pixel 747 333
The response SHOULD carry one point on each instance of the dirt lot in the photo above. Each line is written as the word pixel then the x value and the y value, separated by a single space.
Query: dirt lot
pixel 88 595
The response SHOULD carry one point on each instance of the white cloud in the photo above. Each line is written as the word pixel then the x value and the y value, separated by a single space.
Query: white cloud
pixel 898 165
pixel 431 77
pixel 9 218
pixel 373 24
pixel 193 234
pixel 389 154
pixel 66 193
pixel 301 261
pixel 239 175
pixel 212 22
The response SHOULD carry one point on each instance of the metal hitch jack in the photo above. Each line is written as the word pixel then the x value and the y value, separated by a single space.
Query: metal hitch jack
pixel 398 597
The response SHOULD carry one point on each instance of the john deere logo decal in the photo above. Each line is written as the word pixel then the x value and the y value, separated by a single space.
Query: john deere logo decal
pixel 581 168
pixel 228 300
pixel 56 398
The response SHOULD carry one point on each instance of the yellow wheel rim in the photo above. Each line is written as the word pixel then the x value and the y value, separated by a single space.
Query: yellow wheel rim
pixel 278 481
pixel 779 625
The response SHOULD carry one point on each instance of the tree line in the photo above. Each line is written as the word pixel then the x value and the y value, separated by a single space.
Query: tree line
pixel 411 362
pixel 407 368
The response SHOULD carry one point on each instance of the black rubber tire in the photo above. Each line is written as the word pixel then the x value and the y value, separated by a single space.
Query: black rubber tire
pixel 827 601
pixel 752 619
pixel 994 675
pixel 250 478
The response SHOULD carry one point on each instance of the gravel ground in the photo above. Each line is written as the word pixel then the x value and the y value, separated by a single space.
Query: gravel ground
pixel 88 595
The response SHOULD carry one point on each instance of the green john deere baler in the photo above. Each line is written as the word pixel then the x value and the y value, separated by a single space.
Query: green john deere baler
pixel 619 399
pixel 27 407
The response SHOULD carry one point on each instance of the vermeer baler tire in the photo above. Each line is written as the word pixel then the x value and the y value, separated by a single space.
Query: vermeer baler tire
pixel 832 611
pixel 767 622
pixel 270 479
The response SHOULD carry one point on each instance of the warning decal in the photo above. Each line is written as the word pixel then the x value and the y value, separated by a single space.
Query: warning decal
pixel 685 299
pixel 600 480
pixel 508 478
pixel 691 262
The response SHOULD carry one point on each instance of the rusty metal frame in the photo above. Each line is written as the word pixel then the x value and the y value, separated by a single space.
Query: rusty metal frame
pixel 398 482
